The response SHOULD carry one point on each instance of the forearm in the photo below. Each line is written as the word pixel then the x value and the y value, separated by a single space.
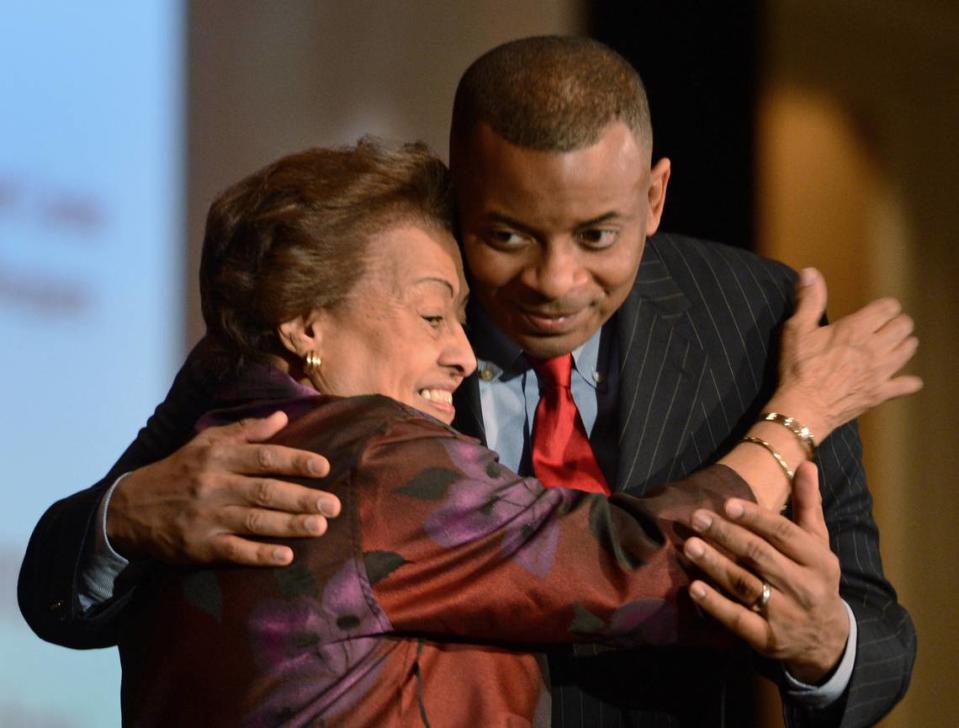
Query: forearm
pixel 834 685
pixel 773 449
pixel 49 585
pixel 101 564
pixel 886 641
pixel 882 665
pixel 583 568
pixel 48 589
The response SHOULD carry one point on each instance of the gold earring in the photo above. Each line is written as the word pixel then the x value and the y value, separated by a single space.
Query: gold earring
pixel 313 361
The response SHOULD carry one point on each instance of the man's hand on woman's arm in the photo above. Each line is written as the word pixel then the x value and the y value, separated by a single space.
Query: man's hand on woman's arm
pixel 204 502
pixel 804 624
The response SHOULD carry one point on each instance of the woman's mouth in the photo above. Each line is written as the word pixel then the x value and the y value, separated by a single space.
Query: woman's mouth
pixel 438 401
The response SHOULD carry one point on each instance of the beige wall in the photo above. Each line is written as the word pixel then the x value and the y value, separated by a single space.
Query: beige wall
pixel 271 78
pixel 859 175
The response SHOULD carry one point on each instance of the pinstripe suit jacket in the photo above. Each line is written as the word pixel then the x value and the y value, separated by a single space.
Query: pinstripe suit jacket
pixel 697 344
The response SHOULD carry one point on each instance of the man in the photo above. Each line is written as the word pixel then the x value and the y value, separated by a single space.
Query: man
pixel 673 350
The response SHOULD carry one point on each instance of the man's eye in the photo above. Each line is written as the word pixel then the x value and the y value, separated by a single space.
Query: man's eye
pixel 505 238
pixel 434 321
pixel 598 238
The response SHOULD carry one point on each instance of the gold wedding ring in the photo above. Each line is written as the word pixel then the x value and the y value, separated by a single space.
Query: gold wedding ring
pixel 759 606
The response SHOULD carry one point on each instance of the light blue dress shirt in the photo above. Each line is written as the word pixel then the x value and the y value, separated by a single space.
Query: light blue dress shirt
pixel 509 394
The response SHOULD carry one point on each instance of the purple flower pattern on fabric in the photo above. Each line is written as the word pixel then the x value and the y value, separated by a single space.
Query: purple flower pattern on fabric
pixel 655 620
pixel 649 620
pixel 519 506
pixel 314 651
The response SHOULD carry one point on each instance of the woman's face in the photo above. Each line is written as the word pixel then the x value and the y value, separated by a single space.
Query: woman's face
pixel 400 332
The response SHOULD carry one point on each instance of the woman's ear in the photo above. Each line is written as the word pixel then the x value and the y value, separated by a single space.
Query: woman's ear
pixel 302 334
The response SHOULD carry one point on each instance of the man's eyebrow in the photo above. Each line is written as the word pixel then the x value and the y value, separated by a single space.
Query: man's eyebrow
pixel 508 221
pixel 518 225
pixel 600 219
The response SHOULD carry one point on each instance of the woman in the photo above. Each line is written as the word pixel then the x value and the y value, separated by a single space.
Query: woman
pixel 333 289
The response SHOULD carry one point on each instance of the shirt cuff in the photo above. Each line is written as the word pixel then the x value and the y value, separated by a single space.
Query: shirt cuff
pixel 821 696
pixel 100 564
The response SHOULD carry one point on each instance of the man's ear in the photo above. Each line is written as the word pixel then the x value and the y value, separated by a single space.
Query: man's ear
pixel 658 181
pixel 302 334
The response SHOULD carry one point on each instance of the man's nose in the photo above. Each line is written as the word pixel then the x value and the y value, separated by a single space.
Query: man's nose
pixel 556 271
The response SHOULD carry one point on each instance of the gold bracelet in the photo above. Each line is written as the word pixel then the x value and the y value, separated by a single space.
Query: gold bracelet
pixel 795 427
pixel 772 451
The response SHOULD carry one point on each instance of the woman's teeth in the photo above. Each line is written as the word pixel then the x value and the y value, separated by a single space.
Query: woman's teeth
pixel 437 395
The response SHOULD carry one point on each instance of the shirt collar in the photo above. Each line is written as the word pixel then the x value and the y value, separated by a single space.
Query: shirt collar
pixel 499 357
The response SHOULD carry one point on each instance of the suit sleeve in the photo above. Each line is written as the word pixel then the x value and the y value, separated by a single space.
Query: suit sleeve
pixel 48 583
pixel 886 645
pixel 886 641
pixel 456 545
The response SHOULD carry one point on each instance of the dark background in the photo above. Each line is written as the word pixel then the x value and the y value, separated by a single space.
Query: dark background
pixel 698 61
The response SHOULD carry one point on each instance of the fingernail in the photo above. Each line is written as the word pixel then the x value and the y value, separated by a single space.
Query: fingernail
pixel 701 522
pixel 281 556
pixel 697 591
pixel 314 466
pixel 734 509
pixel 326 508
pixel 807 276
pixel 313 525
pixel 695 549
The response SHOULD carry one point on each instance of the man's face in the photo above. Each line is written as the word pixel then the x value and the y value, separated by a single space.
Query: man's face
pixel 553 240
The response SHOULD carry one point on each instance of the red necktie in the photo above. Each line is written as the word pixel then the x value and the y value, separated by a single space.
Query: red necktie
pixel 562 456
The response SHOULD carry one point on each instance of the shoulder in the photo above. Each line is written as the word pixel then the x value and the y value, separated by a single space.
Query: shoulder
pixel 711 276
pixel 685 256
pixel 387 450
pixel 334 424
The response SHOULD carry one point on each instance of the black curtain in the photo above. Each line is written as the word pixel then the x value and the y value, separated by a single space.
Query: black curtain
pixel 698 62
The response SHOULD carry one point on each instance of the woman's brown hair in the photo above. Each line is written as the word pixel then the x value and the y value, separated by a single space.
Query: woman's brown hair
pixel 293 236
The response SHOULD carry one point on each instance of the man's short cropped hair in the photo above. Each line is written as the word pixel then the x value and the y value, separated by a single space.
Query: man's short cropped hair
pixel 551 93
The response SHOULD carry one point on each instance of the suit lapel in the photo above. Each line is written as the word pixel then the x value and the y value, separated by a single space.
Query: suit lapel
pixel 469 415
pixel 661 371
